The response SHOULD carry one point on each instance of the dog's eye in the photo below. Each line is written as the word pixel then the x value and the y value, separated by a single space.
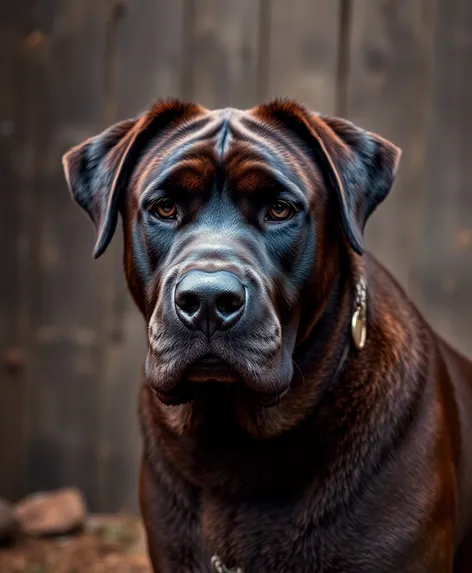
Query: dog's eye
pixel 279 211
pixel 164 209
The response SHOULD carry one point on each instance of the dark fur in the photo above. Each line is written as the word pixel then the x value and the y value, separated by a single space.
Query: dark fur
pixel 363 463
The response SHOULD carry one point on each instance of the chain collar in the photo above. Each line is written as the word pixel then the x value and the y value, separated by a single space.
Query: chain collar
pixel 219 567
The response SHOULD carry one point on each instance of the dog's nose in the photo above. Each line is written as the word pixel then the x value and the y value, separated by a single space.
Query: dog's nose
pixel 210 301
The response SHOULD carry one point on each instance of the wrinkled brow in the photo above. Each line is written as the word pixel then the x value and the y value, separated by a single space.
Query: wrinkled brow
pixel 192 174
pixel 254 177
pixel 251 167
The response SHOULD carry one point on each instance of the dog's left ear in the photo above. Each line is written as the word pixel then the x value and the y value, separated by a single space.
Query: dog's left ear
pixel 362 167
pixel 359 166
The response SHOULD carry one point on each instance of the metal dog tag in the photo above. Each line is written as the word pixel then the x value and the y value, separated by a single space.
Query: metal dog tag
pixel 359 318
pixel 359 328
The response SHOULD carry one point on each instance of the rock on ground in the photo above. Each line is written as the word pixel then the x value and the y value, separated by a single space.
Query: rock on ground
pixel 7 521
pixel 52 513
pixel 107 544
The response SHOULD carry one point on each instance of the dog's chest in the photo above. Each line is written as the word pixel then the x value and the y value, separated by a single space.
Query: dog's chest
pixel 267 536
pixel 252 536
pixel 248 532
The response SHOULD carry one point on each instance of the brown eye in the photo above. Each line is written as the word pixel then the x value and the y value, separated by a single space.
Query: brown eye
pixel 279 211
pixel 164 209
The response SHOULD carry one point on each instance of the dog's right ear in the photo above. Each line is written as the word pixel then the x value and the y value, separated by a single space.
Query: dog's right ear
pixel 92 171
pixel 98 169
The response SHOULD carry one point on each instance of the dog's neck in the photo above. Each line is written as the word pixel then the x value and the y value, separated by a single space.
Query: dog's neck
pixel 319 362
pixel 329 341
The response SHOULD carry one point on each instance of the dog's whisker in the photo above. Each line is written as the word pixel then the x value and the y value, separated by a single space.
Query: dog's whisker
pixel 299 370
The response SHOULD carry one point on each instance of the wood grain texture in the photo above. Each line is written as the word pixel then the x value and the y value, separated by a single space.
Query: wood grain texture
pixel 66 310
pixel 390 62
pixel 150 45
pixel 224 52
pixel 445 270
pixel 303 52
pixel 17 167
pixel 71 341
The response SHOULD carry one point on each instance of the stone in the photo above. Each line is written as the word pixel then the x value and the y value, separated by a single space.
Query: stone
pixel 52 513
pixel 8 522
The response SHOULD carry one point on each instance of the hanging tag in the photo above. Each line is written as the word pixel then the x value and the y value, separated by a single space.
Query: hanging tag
pixel 359 329
pixel 359 318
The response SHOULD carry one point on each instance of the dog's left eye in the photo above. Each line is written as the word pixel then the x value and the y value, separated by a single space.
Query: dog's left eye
pixel 164 209
pixel 279 211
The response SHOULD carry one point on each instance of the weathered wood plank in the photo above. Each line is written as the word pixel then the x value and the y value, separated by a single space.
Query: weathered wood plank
pixel 145 49
pixel 388 89
pixel 303 52
pixel 446 245
pixel 224 52
pixel 66 313
pixel 150 45
pixel 17 135
pixel 71 408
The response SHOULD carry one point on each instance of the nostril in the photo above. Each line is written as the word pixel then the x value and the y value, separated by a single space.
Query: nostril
pixel 229 303
pixel 209 301
pixel 188 303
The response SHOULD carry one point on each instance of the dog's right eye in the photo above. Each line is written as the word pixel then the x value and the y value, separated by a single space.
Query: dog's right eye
pixel 279 211
pixel 163 209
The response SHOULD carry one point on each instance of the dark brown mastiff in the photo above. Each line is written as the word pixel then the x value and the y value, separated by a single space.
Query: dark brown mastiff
pixel 298 413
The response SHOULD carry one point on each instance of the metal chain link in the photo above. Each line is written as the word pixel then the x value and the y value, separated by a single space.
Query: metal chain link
pixel 219 566
pixel 361 292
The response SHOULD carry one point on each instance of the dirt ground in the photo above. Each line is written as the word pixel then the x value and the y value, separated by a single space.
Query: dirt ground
pixel 108 544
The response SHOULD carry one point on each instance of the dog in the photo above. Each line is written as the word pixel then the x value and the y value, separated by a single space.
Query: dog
pixel 298 413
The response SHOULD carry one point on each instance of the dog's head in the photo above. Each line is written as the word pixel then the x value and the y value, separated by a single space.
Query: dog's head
pixel 231 221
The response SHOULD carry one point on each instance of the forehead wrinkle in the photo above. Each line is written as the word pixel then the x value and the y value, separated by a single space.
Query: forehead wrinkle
pixel 224 132
pixel 172 159
pixel 300 160
pixel 160 152
pixel 274 158
pixel 260 169
pixel 200 167
pixel 184 146
pixel 186 168
pixel 290 154
pixel 284 140
pixel 173 135
pixel 186 135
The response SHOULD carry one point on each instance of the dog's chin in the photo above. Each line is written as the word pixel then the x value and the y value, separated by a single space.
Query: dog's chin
pixel 211 377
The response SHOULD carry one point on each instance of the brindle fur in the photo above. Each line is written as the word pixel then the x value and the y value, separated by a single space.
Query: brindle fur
pixel 365 464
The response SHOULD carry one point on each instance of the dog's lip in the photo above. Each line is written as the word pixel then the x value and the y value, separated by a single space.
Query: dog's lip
pixel 211 367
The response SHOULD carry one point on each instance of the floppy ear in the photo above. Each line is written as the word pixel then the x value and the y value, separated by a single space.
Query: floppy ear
pixel 92 170
pixel 98 169
pixel 363 167
pixel 360 166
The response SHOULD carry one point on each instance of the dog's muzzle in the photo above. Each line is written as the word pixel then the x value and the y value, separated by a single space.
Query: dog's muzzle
pixel 215 325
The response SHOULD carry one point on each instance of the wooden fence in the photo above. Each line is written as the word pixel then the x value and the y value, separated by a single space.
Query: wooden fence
pixel 71 342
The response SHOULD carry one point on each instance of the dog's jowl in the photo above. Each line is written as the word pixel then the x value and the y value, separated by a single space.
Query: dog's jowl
pixel 298 413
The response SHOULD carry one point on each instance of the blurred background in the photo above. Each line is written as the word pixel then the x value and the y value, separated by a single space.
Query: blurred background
pixel 71 341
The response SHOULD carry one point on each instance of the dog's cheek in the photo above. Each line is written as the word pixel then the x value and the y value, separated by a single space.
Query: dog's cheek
pixel 294 257
pixel 138 268
pixel 150 247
